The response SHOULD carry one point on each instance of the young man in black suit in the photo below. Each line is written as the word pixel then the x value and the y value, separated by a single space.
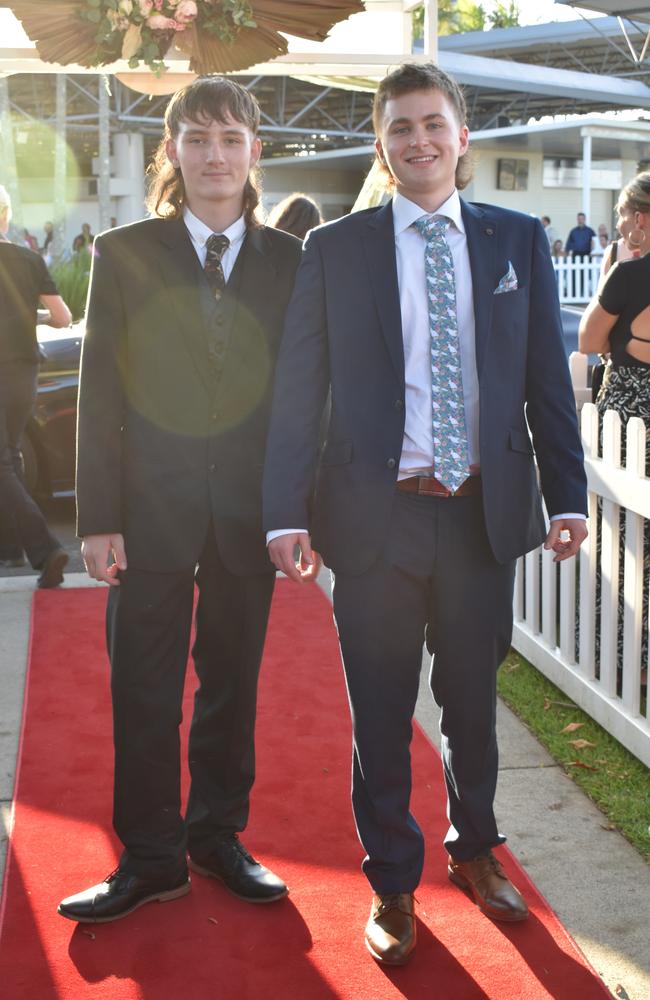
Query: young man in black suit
pixel 184 322
pixel 435 326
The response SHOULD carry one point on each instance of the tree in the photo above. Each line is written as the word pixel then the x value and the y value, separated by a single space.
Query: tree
pixel 504 15
pixel 457 16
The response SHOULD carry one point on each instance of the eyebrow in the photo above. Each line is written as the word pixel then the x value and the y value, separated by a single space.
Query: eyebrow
pixel 200 130
pixel 408 121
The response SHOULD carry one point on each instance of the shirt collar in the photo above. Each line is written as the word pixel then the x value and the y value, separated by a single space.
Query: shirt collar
pixel 405 212
pixel 200 232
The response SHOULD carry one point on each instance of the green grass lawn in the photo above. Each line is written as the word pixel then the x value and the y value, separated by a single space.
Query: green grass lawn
pixel 612 777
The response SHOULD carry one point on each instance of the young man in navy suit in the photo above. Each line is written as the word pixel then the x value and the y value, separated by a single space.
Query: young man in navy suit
pixel 435 326
pixel 184 322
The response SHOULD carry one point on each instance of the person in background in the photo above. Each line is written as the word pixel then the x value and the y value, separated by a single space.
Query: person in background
pixel 46 249
pixel 557 250
pixel 296 214
pixel 24 284
pixel 84 240
pixel 578 244
pixel 551 234
pixel 599 247
pixel 578 248
pixel 29 240
pixel 617 323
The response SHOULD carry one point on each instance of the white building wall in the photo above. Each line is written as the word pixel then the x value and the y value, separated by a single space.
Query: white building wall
pixel 334 190
pixel 561 204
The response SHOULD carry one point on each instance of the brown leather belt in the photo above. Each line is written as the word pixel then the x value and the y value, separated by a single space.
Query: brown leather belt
pixel 428 486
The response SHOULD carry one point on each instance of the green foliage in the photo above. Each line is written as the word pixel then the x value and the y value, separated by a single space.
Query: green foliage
pixel 613 778
pixel 71 277
pixel 504 15
pixel 457 16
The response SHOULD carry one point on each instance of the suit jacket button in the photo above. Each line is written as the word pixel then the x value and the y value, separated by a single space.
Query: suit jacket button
pixel 213 468
pixel 391 463
pixel 399 404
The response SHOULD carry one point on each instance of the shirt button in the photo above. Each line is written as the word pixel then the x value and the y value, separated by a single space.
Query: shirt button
pixel 219 320
pixel 214 416
pixel 213 468
pixel 391 463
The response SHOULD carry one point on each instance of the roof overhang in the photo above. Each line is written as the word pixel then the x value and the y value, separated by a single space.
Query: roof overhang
pixel 632 10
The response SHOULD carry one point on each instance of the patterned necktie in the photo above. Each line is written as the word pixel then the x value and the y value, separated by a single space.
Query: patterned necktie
pixel 450 450
pixel 216 246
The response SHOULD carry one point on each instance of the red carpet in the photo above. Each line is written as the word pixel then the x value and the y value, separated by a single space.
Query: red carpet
pixel 208 944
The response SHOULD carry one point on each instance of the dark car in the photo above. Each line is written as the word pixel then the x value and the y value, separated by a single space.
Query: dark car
pixel 49 448
pixel 49 445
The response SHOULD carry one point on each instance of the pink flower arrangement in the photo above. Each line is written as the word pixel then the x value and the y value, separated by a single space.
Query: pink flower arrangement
pixel 140 30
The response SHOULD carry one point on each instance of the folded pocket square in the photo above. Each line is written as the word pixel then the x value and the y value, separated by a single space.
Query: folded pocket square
pixel 508 282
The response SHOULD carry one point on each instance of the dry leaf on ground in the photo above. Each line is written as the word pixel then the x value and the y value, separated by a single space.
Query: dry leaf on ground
pixel 571 728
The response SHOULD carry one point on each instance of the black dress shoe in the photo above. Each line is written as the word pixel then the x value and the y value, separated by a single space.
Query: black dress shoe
pixel 52 570
pixel 246 878
pixel 120 894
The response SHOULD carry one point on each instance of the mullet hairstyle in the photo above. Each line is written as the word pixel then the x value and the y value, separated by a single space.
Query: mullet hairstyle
pixel 421 76
pixel 210 98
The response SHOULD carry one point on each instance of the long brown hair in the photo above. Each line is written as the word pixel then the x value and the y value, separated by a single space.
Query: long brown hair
pixel 422 76
pixel 210 98
pixel 296 214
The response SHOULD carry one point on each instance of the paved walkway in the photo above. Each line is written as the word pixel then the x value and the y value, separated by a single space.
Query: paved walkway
pixel 595 881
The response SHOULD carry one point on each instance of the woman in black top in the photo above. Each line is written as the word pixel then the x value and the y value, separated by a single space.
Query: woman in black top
pixel 617 323
pixel 24 283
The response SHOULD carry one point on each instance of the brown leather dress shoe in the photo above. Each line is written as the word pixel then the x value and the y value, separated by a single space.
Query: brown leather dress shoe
pixel 492 891
pixel 390 931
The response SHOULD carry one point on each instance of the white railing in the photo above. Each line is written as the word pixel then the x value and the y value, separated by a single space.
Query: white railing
pixel 556 623
pixel 577 280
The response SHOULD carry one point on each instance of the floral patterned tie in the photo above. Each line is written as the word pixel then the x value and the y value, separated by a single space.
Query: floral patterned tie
pixel 450 450
pixel 216 246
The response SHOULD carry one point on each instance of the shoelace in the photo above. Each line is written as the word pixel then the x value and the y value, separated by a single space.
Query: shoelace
pixel 237 846
pixel 390 902
pixel 493 866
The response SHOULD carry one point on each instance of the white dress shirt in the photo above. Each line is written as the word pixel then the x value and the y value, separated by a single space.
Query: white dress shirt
pixel 199 234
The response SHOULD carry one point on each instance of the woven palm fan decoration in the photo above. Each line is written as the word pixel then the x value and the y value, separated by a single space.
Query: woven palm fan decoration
pixel 217 35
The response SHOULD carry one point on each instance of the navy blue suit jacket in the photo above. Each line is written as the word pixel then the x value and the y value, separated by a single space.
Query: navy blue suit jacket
pixel 343 334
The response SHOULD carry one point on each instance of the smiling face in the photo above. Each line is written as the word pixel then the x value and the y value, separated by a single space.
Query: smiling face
pixel 421 141
pixel 215 159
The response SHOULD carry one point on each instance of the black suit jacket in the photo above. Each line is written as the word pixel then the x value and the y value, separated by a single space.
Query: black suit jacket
pixel 344 332
pixel 164 446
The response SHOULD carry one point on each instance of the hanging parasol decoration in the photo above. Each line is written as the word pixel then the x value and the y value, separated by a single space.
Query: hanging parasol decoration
pixel 218 36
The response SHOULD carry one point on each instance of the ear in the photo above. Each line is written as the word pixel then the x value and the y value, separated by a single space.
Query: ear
pixel 256 151
pixel 379 149
pixel 170 149
pixel 464 140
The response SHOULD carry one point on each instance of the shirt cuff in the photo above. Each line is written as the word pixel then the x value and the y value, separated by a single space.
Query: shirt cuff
pixel 569 517
pixel 270 535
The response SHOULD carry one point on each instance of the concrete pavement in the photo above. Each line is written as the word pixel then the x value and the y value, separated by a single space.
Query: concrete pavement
pixel 594 880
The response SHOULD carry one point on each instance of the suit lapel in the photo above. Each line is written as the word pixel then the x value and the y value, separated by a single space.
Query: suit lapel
pixel 182 277
pixel 379 244
pixel 481 232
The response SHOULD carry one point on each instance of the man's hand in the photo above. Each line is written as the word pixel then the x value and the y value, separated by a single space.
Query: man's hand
pixel 577 531
pixel 95 550
pixel 281 553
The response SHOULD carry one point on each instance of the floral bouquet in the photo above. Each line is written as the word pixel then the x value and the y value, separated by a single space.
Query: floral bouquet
pixel 217 35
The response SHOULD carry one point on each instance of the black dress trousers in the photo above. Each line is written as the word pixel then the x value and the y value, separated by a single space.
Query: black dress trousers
pixel 149 620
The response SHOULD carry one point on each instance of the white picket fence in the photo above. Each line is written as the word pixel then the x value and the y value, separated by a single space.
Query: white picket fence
pixel 577 280
pixel 555 604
